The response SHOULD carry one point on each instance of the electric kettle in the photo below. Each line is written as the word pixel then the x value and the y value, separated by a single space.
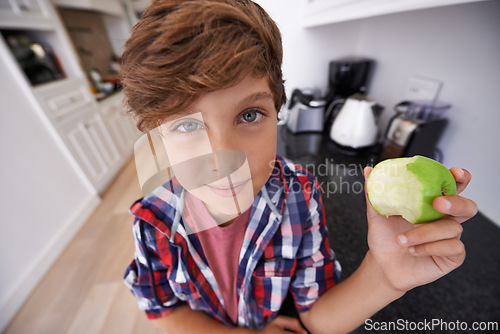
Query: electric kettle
pixel 356 126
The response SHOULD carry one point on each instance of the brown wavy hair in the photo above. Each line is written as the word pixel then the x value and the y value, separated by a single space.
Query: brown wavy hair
pixel 182 49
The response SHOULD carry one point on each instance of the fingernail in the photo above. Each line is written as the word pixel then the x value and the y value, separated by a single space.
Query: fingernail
pixel 411 250
pixel 402 239
pixel 446 203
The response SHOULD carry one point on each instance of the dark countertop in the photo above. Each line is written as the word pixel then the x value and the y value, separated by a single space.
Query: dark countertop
pixel 470 293
pixel 104 96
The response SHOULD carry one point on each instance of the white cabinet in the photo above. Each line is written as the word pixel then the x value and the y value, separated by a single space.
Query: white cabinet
pixel 321 12
pixel 99 135
pixel 17 14
pixel 121 128
pixel 87 133
pixel 95 135
pixel 64 99
pixel 89 142
pixel 112 7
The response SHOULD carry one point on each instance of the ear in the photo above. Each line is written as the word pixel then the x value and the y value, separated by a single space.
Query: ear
pixel 151 161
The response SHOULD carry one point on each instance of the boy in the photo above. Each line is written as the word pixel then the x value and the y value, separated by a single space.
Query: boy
pixel 234 229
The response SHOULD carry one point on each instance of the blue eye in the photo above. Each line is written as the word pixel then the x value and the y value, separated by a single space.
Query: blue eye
pixel 251 116
pixel 188 127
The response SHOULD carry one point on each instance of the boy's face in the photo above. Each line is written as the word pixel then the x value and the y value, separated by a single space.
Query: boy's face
pixel 222 149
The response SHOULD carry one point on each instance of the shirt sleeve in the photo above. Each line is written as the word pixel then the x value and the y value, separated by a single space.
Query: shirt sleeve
pixel 317 268
pixel 140 275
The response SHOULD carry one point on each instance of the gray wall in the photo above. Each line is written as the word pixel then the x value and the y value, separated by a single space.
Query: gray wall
pixel 458 45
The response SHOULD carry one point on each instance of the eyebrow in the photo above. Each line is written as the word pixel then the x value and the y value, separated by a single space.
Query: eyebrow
pixel 181 115
pixel 248 100
pixel 254 98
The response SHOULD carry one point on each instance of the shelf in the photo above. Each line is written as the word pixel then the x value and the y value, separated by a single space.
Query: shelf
pixel 111 7
pixel 322 12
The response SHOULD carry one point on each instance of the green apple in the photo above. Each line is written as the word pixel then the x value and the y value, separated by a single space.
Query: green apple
pixel 407 187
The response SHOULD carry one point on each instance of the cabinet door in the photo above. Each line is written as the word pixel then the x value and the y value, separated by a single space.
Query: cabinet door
pixel 97 130
pixel 25 13
pixel 27 6
pixel 123 132
pixel 120 126
pixel 92 147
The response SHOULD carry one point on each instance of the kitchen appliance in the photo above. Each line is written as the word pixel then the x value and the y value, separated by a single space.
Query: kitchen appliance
pixel 415 129
pixel 306 112
pixel 346 77
pixel 356 124
pixel 37 60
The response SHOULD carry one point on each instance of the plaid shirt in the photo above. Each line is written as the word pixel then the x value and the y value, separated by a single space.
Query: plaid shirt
pixel 285 248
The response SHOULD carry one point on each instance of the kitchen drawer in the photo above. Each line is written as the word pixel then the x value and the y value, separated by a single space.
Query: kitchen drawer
pixel 64 100
pixel 67 101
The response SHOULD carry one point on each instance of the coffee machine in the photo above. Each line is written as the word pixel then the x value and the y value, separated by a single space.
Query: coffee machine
pixel 415 129
pixel 346 77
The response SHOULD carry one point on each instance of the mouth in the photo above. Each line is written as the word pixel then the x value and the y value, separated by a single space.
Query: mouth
pixel 227 190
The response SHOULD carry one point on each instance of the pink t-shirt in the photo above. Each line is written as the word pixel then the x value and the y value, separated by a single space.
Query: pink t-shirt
pixel 221 246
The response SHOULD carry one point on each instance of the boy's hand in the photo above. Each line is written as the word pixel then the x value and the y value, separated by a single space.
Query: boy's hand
pixel 282 325
pixel 412 255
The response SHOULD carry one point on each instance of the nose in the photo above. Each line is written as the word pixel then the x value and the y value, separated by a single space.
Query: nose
pixel 228 158
pixel 222 138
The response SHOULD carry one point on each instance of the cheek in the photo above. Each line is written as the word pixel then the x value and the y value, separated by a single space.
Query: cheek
pixel 183 148
pixel 265 160
pixel 261 156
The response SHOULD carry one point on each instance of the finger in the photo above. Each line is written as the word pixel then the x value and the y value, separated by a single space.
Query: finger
pixel 370 211
pixel 451 248
pixel 366 171
pixel 462 177
pixel 289 323
pixel 458 207
pixel 430 232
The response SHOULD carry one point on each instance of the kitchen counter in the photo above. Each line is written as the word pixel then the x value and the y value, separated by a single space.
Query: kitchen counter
pixel 103 96
pixel 470 293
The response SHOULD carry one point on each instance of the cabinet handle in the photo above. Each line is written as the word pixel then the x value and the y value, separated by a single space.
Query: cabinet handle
pixel 24 7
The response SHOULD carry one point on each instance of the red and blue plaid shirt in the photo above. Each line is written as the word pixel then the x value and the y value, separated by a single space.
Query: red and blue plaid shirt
pixel 285 249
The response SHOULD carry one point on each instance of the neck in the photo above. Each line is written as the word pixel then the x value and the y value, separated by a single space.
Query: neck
pixel 222 219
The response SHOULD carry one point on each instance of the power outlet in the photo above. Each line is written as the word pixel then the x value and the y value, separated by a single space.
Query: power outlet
pixel 420 88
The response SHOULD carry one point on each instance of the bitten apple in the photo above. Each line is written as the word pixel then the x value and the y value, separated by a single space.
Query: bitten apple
pixel 407 187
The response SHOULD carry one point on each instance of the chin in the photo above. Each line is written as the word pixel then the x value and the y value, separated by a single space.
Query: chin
pixel 225 205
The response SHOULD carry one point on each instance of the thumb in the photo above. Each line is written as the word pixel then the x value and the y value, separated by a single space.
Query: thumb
pixel 366 171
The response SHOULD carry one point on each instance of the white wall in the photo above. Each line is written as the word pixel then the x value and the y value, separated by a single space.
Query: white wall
pixel 457 45
pixel 307 52
pixel 43 200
